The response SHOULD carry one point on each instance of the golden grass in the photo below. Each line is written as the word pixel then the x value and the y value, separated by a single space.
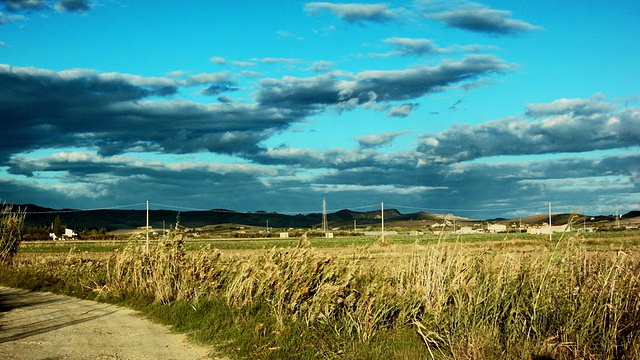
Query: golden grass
pixel 11 223
pixel 509 299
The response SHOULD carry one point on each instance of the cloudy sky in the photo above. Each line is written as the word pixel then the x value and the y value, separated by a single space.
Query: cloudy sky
pixel 479 109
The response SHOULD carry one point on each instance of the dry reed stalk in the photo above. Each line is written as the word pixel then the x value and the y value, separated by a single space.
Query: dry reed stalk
pixel 468 306
pixel 11 223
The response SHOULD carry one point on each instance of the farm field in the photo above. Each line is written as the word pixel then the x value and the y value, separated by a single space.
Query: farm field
pixel 444 297
pixel 593 241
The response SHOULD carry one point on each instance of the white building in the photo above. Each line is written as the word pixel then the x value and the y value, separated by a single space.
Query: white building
pixel 546 230
pixel 496 228
pixel 69 233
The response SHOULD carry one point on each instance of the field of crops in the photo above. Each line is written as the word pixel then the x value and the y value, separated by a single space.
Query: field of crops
pixel 483 296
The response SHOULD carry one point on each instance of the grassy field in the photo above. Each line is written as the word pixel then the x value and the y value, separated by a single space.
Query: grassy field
pixel 486 296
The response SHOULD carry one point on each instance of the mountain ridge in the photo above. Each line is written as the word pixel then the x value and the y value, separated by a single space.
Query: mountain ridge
pixel 111 219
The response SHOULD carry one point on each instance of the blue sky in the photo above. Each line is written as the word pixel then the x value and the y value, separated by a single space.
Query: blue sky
pixel 480 109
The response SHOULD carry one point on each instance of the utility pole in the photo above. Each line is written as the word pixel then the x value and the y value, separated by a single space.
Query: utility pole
pixel 550 228
pixel 519 225
pixel 382 216
pixel 324 216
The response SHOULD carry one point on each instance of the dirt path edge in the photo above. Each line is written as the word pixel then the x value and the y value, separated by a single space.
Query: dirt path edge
pixel 41 325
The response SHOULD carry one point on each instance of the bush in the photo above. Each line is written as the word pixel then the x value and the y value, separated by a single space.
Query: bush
pixel 10 232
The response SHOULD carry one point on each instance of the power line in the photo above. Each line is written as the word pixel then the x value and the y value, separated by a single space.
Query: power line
pixel 468 210
pixel 84 210
pixel 180 207
pixel 328 210
pixel 372 206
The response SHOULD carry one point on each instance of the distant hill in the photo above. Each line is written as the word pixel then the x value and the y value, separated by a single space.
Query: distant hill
pixel 33 208
pixel 632 214
pixel 131 219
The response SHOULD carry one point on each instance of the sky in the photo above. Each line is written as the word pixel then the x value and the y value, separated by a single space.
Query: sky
pixel 478 109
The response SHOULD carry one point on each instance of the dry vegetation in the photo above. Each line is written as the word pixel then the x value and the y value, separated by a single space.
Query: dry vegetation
pixel 559 301
pixel 11 223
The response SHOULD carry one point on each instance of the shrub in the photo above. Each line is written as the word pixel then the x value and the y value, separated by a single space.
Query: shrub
pixel 11 223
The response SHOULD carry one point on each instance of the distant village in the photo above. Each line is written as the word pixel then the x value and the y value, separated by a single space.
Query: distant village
pixel 369 223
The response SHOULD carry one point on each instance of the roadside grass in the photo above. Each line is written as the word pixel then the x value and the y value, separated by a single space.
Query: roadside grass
pixel 440 300
pixel 253 333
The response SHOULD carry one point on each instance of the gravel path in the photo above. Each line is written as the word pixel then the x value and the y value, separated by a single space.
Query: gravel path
pixel 37 325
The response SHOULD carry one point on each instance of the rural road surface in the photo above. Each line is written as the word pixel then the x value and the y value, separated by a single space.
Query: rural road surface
pixel 36 325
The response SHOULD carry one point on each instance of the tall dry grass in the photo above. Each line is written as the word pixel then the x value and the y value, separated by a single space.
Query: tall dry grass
pixel 11 223
pixel 565 303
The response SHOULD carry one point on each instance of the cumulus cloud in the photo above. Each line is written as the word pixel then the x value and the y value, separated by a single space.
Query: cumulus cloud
pixel 478 18
pixel 378 140
pixel 403 110
pixel 215 89
pixel 387 85
pixel 205 78
pixel 92 179
pixel 377 189
pixel 81 164
pixel 243 63
pixel 113 113
pixel 320 66
pixel 575 107
pixel 274 60
pixel 425 47
pixel 440 164
pixel 225 99
pixel 77 6
pixel 219 88
pixel 107 117
pixel 18 5
pixel 502 187
pixel 217 82
pixel 218 60
pixel 563 126
pixel 251 74
pixel 355 13
pixel 8 19
pixel 337 158
pixel 415 176
pixel 414 47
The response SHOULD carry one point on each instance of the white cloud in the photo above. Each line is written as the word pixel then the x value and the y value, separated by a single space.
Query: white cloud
pixel 218 60
pixel 478 18
pixel 355 13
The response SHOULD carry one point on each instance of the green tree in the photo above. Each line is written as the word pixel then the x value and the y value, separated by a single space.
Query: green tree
pixel 57 226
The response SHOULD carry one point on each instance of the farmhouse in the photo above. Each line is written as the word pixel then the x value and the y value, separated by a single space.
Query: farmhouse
pixel 496 228
pixel 468 230
pixel 546 229
pixel 68 233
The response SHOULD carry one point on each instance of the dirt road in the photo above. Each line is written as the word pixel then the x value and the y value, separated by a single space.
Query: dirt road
pixel 36 325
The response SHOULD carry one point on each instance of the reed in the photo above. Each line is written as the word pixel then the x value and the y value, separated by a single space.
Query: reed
pixel 563 302
pixel 11 223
